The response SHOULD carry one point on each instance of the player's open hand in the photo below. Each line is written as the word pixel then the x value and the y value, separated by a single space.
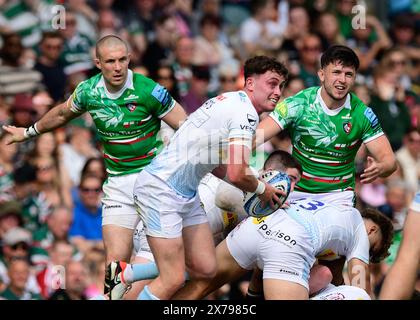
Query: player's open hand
pixel 372 171
pixel 15 134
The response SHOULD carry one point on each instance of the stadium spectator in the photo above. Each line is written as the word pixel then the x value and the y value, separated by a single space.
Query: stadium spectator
pixel 15 76
pixel 159 50
pixel 76 282
pixel 49 65
pixel 7 152
pixel 387 102
pixel 182 63
pixel 19 273
pixel 16 245
pixel 57 227
pixel 49 278
pixel 85 230
pixel 198 91
pixel 408 157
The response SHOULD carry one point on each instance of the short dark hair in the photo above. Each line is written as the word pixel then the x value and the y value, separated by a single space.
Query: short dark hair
pixel 281 160
pixel 341 54
pixel 387 230
pixel 261 64
pixel 51 35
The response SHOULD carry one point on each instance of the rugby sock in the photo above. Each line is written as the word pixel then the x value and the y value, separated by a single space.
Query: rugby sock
pixel 147 295
pixel 140 271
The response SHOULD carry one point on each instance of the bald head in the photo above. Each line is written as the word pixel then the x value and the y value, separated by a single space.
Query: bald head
pixel 109 41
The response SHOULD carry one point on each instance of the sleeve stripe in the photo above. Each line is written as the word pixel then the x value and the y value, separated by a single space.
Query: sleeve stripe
pixel 73 107
pixel 272 116
pixel 169 109
pixel 373 137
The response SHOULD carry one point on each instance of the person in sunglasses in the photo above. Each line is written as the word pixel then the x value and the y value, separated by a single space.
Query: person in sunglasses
pixel 86 228
pixel 16 244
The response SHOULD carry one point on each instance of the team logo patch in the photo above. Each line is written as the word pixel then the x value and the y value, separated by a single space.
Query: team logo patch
pixel 347 127
pixel 251 119
pixel 131 106
pixel 282 109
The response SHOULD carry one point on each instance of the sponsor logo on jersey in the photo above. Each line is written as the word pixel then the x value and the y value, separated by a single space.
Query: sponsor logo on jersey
pixel 347 127
pixel 209 103
pixel 242 96
pixel 370 115
pixel 282 109
pixel 335 296
pixel 251 119
pixel 161 94
pixel 131 96
pixel 276 235
pixel 230 219
pixel 282 270
pixel 327 255
pixel 115 206
pixel 131 106
pixel 258 220
pixel 246 127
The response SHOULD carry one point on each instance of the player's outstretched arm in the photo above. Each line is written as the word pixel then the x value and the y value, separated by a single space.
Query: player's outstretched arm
pixel 55 118
pixel 401 278
pixel 382 163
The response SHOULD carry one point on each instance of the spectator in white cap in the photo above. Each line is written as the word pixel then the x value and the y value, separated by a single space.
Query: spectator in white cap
pixel 16 245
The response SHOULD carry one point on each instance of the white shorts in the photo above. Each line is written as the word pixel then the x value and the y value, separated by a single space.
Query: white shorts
pixel 118 203
pixel 164 212
pixel 344 292
pixel 276 244
pixel 344 198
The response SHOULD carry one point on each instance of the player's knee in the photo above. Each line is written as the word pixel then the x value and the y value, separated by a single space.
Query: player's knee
pixel 204 271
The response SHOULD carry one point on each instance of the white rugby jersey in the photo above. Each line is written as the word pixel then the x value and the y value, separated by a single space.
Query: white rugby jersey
pixel 335 232
pixel 201 143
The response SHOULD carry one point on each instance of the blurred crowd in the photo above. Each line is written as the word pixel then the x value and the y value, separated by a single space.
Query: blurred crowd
pixel 50 187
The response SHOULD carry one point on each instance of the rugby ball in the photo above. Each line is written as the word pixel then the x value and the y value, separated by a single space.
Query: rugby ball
pixel 252 203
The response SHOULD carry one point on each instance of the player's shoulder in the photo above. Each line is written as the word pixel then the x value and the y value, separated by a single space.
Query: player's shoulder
pixel 356 103
pixel 90 83
pixel 303 97
pixel 236 103
pixel 141 82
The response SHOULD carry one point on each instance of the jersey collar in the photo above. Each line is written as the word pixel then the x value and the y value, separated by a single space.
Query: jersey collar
pixel 115 95
pixel 328 111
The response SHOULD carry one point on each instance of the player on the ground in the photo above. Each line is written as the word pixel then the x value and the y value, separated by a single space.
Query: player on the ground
pixel 285 244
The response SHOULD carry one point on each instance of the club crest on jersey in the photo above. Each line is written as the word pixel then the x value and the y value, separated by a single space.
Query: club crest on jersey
pixel 347 127
pixel 251 119
pixel 131 106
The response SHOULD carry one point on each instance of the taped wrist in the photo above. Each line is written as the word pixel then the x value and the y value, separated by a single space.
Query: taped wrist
pixel 31 132
pixel 260 188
